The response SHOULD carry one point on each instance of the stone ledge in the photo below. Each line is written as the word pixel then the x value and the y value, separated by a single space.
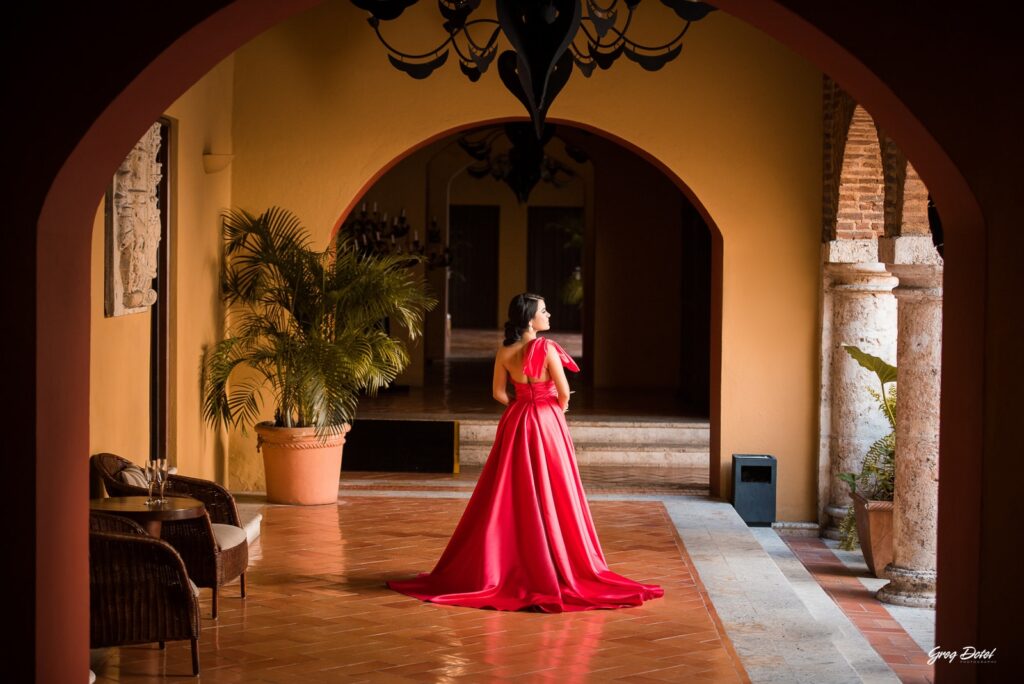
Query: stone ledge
pixel 797 529
pixel 909 249
pixel 850 251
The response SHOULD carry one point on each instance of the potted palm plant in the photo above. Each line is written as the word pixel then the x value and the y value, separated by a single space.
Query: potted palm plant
pixel 869 521
pixel 312 327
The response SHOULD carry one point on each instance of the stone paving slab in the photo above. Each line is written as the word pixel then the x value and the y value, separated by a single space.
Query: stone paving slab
pixel 783 625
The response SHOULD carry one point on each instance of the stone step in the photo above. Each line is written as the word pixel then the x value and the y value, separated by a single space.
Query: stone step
pixel 598 442
pixel 477 454
pixel 685 436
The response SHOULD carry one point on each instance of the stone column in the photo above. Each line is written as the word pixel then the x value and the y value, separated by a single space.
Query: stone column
pixel 864 315
pixel 914 260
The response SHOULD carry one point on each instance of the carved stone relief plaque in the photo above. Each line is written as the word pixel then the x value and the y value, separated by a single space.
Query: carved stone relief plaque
pixel 133 230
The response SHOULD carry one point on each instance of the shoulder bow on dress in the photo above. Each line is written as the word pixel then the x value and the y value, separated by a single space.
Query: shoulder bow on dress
pixel 537 351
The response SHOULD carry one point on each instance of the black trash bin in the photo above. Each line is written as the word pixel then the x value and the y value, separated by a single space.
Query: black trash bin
pixel 753 488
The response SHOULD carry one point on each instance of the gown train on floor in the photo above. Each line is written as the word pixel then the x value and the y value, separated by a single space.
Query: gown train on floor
pixel 526 538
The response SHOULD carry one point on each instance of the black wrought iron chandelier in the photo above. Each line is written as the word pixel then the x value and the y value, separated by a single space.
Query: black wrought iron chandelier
pixel 374 233
pixel 525 163
pixel 547 38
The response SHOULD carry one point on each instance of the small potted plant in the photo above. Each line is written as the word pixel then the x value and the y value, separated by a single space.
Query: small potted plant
pixel 869 521
pixel 311 326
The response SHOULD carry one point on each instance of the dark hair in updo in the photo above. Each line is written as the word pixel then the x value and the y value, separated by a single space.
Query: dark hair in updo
pixel 521 311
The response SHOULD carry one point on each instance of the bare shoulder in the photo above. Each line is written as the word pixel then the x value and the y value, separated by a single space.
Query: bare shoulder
pixel 506 352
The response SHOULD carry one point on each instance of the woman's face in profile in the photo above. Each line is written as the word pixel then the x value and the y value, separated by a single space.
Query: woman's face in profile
pixel 542 320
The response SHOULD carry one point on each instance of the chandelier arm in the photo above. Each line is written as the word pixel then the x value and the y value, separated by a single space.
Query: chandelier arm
pixel 491 41
pixel 458 51
pixel 404 55
pixel 620 35
pixel 634 44
pixel 579 56
pixel 609 8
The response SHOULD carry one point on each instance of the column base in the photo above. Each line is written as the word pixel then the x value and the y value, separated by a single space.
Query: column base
pixel 906 587
pixel 834 517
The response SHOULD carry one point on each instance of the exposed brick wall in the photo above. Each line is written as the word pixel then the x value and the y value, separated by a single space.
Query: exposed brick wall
pixel 906 197
pixel 861 186
pixel 837 110
pixel 894 170
pixel 914 219
pixel 869 188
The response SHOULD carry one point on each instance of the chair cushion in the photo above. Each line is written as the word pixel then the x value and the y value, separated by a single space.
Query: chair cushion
pixel 133 475
pixel 194 586
pixel 228 536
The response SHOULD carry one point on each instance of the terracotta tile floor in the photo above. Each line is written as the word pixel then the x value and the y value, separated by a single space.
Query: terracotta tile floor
pixel 318 611
pixel 868 614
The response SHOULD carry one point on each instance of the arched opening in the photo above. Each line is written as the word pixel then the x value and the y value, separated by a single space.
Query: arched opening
pixel 627 208
pixel 61 306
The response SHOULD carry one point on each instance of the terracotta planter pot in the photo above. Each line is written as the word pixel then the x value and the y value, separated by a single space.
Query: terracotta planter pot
pixel 874 529
pixel 300 467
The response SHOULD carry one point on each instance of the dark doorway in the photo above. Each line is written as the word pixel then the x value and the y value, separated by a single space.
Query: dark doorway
pixel 160 312
pixel 555 256
pixel 473 294
pixel 695 313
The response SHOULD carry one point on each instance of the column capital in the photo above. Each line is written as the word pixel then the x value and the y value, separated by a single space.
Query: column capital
pixel 908 249
pixel 860 278
pixel 852 266
pixel 914 260
pixel 919 281
pixel 849 251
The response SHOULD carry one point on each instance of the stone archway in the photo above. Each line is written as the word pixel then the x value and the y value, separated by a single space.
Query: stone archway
pixel 71 180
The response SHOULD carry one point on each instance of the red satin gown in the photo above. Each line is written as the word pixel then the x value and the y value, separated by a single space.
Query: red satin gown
pixel 526 539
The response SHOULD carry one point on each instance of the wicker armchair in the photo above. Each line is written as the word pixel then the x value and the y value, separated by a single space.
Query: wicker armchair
pixel 139 591
pixel 213 547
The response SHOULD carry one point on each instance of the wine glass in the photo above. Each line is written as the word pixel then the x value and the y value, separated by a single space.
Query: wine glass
pixel 156 479
pixel 161 469
pixel 152 477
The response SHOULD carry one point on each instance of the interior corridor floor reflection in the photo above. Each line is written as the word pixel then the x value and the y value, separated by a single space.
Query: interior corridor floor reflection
pixel 318 610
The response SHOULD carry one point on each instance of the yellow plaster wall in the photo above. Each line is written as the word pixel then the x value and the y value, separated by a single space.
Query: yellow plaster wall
pixel 119 375
pixel 203 117
pixel 318 111
pixel 119 370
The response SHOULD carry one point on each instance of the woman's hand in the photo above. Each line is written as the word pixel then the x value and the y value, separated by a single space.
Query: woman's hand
pixel 564 403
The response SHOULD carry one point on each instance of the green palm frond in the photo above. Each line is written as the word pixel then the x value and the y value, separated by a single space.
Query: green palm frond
pixel 878 473
pixel 848 540
pixel 887 404
pixel 309 323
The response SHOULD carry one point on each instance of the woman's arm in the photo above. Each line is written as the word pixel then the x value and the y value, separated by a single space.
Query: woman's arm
pixel 499 385
pixel 557 373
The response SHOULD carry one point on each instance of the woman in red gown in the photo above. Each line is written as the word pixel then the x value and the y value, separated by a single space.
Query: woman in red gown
pixel 526 539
